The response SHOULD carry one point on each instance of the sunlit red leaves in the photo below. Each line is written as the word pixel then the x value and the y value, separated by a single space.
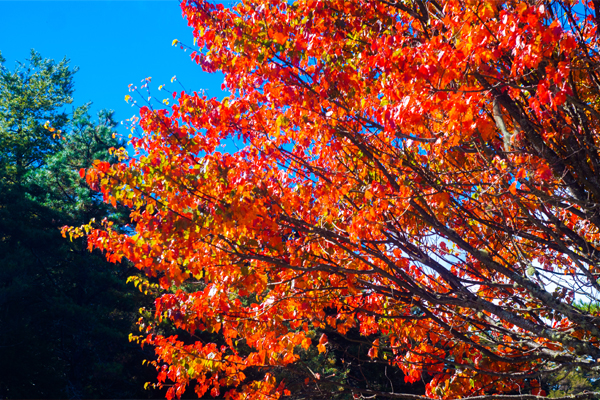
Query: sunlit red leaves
pixel 544 173
pixel 367 150
pixel 322 342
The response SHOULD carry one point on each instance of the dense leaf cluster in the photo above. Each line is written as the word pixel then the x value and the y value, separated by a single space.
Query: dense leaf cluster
pixel 423 174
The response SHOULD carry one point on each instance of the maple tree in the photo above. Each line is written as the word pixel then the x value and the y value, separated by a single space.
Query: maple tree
pixel 425 172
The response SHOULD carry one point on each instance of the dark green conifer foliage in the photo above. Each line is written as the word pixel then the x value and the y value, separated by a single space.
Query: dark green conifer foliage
pixel 64 313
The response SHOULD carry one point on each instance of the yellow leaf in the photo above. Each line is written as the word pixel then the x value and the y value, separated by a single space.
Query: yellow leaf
pixel 175 41
pixel 127 97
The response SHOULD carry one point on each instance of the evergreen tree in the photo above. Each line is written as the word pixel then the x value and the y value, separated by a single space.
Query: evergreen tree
pixel 64 313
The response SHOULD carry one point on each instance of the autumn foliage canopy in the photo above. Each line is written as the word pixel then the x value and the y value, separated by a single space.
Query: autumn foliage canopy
pixel 424 172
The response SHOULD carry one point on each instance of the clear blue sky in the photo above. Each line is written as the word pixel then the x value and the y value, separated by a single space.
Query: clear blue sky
pixel 114 43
